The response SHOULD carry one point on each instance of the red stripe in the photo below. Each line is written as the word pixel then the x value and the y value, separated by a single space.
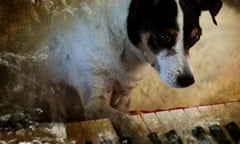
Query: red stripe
pixel 176 108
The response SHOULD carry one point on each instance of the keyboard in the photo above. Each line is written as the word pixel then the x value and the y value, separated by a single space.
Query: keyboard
pixel 210 124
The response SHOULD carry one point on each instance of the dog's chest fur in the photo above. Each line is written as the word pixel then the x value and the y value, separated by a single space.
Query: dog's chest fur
pixel 91 53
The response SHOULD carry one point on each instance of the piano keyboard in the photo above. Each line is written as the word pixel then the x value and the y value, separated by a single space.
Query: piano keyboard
pixel 215 124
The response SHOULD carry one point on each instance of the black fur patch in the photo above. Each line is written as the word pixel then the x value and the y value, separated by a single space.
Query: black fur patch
pixel 192 12
pixel 156 18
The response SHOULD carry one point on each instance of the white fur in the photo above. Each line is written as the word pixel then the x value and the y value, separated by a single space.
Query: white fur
pixel 90 46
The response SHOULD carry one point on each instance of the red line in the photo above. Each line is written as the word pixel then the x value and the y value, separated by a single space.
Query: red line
pixel 176 108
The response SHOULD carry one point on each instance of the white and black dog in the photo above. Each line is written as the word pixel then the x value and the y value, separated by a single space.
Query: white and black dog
pixel 106 45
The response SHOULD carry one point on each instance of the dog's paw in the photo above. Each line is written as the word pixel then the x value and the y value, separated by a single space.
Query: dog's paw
pixel 133 133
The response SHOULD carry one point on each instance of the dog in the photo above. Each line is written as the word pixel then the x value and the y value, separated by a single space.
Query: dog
pixel 103 48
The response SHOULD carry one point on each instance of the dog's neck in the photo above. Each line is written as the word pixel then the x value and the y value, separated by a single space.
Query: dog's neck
pixel 132 58
pixel 133 62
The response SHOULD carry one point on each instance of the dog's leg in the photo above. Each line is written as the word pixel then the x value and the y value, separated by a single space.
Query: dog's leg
pixel 97 108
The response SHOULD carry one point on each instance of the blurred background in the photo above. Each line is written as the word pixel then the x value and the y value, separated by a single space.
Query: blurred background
pixel 24 89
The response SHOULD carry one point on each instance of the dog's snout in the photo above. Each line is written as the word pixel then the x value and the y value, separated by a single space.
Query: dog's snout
pixel 185 80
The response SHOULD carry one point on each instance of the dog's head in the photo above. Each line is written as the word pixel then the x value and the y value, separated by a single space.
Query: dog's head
pixel 165 30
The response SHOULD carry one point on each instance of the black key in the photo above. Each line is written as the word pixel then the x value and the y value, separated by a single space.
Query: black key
pixel 218 134
pixel 154 138
pixel 234 131
pixel 125 140
pixel 88 142
pixel 199 133
pixel 173 137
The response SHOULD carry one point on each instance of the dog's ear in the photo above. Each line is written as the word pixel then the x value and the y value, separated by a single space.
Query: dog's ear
pixel 213 6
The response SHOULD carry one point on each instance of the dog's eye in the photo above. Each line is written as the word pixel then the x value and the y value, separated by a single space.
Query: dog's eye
pixel 193 40
pixel 163 40
pixel 196 38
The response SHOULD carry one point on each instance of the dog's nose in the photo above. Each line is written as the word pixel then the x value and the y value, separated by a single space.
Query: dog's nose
pixel 185 80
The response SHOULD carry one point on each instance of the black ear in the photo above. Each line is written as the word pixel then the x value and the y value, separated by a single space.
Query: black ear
pixel 213 6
